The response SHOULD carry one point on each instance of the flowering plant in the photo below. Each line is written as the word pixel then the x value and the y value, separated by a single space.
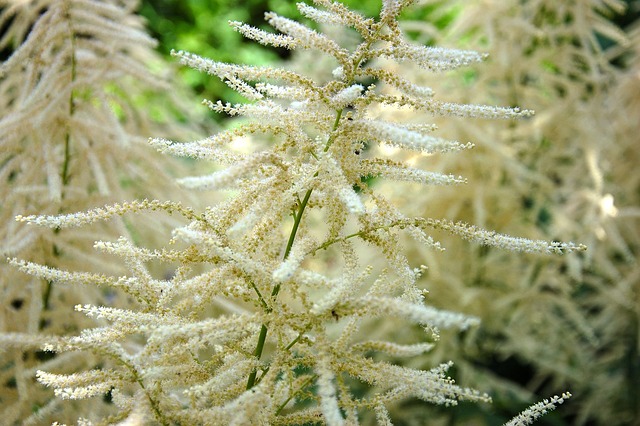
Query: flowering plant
pixel 269 314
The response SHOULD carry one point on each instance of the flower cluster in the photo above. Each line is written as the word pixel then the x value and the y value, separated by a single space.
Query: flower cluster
pixel 71 138
pixel 268 315
pixel 564 174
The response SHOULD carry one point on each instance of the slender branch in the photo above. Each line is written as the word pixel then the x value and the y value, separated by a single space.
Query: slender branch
pixel 293 395
pixel 327 244
pixel 262 301
pixel 294 341
pixel 336 123
pixel 337 240
pixel 286 348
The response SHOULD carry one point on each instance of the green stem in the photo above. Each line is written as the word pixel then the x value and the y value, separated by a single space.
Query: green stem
pixel 155 405
pixel 262 337
pixel 304 385
pixel 67 160
pixel 65 174
pixel 335 126
pixel 294 341
pixel 289 346
pixel 263 330
pixel 292 236
pixel 336 240
pixel 260 298
pixel 46 296
pixel 257 353
pixel 358 234
pixel 67 139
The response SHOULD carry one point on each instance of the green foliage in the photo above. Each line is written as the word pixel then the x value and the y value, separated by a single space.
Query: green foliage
pixel 200 26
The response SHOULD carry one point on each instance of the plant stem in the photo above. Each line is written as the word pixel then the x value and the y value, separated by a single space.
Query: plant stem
pixel 67 141
pixel 65 173
pixel 263 330
pixel 304 385
pixel 262 337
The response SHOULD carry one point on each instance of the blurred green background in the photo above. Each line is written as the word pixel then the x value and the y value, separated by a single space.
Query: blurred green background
pixel 200 26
